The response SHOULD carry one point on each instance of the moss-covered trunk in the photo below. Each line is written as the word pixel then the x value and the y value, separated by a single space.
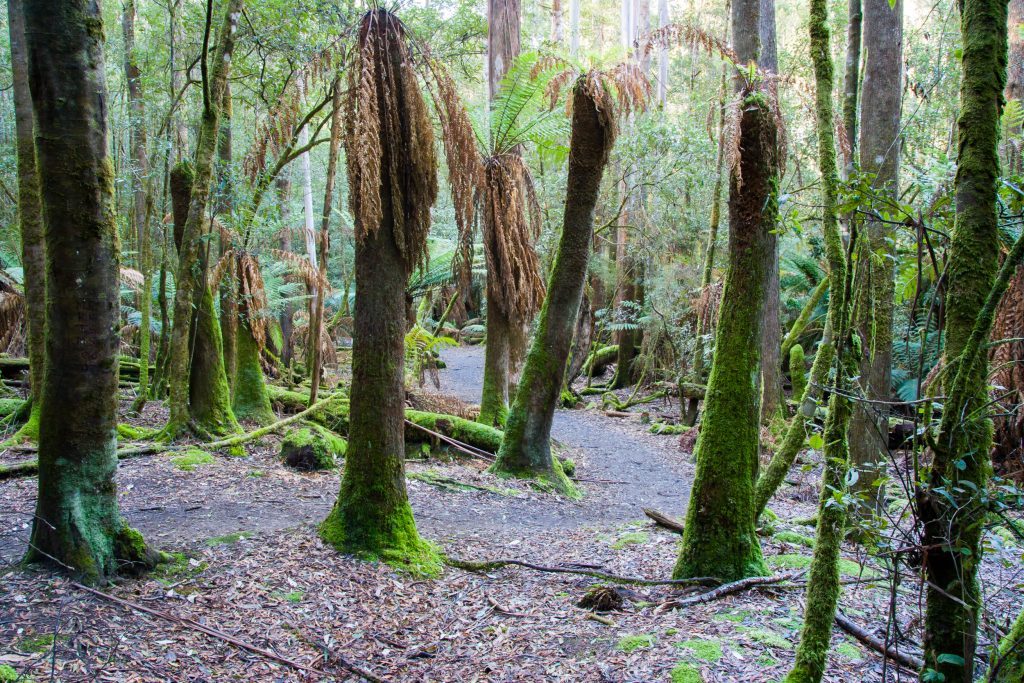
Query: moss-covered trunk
pixel 30 218
pixel 951 510
pixel 372 516
pixel 190 293
pixel 77 522
pixel 1008 659
pixel 250 400
pixel 823 582
pixel 526 449
pixel 223 207
pixel 497 364
pixel 719 539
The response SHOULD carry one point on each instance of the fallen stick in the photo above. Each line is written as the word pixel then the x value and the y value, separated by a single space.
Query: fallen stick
pixel 614 578
pixel 195 625
pixel 727 589
pixel 469 450
pixel 876 644
pixel 664 520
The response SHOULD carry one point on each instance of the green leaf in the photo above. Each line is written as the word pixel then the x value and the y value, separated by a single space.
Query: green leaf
pixel 816 442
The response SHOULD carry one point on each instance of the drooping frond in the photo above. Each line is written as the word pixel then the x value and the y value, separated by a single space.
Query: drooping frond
pixel 389 140
pixel 519 111
pixel 514 283
pixel 300 266
pixel 252 296
pixel 684 33
pixel 131 278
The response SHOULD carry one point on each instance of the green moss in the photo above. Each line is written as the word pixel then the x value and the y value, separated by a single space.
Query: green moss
pixel 634 538
pixel 684 672
pixel 794 538
pixel 705 649
pixel 312 448
pixel 667 428
pixel 736 616
pixel 768 638
pixel 598 359
pixel 568 466
pixel 10 406
pixel 228 539
pixel 794 561
pixel 848 651
pixel 671 631
pixel 177 567
pixel 191 459
pixel 133 433
pixel 474 433
pixel 255 474
pixel 291 596
pixel 797 370
pixel 631 643
pixel 8 675
pixel 250 400
pixel 449 484
pixel 42 642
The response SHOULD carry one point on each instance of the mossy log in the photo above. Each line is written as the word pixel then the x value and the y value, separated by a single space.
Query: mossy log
pixel 600 359
pixel 16 368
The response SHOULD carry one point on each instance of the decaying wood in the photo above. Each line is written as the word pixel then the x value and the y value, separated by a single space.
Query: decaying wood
pixel 876 644
pixel 664 520
pixel 727 589
pixel 614 578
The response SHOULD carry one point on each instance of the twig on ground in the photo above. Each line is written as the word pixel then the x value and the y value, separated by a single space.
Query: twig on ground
pixel 876 644
pixel 614 578
pixel 351 667
pixel 471 451
pixel 727 589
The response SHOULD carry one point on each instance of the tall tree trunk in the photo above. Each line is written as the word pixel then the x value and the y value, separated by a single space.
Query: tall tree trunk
pixel 1015 85
pixel 175 37
pixel 526 448
pixel 556 22
pixel 879 154
pixel 663 21
pixel 77 522
pixel 720 538
pixel 823 583
pixel 141 212
pixel 30 218
pixel 504 18
pixel 223 208
pixel 949 504
pixel 851 82
pixel 771 359
pixel 190 290
pixel 284 187
pixel 574 27
pixel 372 515
pixel 316 321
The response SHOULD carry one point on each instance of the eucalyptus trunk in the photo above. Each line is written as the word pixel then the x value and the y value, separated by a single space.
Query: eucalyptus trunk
pixel 77 522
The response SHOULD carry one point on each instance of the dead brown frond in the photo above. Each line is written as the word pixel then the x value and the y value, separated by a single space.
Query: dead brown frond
pixel 707 307
pixel 300 340
pixel 252 296
pixel 301 267
pixel 12 316
pixel 1007 362
pixel 514 283
pixel 389 140
pixel 465 167
pixel 419 398
pixel 131 278
pixel 632 87
pixel 224 263
pixel 683 33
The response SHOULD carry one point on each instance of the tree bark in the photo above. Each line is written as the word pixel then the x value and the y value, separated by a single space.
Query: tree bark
pixel 77 522
pixel 882 92
pixel 961 465
pixel 223 207
pixel 526 448
pixel 284 187
pixel 30 218
pixel 189 291
pixel 720 538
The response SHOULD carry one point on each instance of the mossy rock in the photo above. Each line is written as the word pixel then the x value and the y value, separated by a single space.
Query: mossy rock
pixel 473 334
pixel 312 448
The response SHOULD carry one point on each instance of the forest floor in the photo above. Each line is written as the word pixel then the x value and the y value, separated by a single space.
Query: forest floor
pixel 249 564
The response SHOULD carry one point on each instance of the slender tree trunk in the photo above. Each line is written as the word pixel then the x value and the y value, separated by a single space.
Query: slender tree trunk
pixel 504 18
pixel 880 155
pixel 141 212
pixel 190 290
pixel 557 33
pixel 316 321
pixel 663 21
pixel 30 218
pixel 1015 85
pixel 949 504
pixel 574 27
pixel 526 448
pixel 77 522
pixel 223 208
pixel 284 188
pixel 720 538
pixel 823 585
pixel 771 360
pixel 851 82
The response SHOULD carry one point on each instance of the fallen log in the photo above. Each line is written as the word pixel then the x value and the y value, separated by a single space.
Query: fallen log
pixel 727 589
pixel 877 644
pixel 488 565
pixel 664 520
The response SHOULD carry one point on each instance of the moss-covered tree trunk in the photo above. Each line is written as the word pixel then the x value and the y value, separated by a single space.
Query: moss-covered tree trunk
pixel 1008 659
pixel 223 207
pixel 719 538
pixel 191 284
pixel 208 404
pixel 30 218
pixel 372 516
pixel 77 522
pixel 950 508
pixel 250 400
pixel 497 363
pixel 526 448
pixel 882 93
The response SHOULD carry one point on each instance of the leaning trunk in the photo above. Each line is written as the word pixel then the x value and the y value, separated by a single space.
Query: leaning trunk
pixel 77 523
pixel 526 448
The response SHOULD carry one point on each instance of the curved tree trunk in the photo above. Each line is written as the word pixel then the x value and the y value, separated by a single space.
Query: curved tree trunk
pixel 526 449
pixel 225 201
pixel 77 521
pixel 30 218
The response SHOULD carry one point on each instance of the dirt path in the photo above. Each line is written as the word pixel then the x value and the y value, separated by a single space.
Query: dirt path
pixel 172 507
